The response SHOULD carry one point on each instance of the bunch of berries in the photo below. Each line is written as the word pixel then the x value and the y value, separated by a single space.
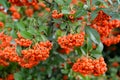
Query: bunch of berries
pixel 87 66
pixel 22 41
pixel 29 57
pixel 104 25
pixel 15 13
pixel 56 15
pixel 4 40
pixel 22 2
pixel 30 7
pixel 111 40
pixel 32 57
pixel 1 24
pixel 70 41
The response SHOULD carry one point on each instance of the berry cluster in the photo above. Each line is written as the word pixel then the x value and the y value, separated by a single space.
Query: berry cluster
pixel 70 41
pixel 22 2
pixel 9 54
pixel 10 77
pixel 1 24
pixel 83 66
pixel 4 40
pixel 22 41
pixel 111 40
pixel 29 12
pixel 29 57
pixel 115 64
pixel 71 15
pixel 101 17
pixel 56 15
pixel 104 25
pixel 87 66
pixel 99 66
pixel 32 57
pixel 77 1
pixel 30 6
pixel 15 13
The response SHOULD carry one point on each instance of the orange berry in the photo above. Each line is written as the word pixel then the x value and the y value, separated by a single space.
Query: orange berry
pixel 93 8
pixel 1 24
pixel 10 77
pixel 72 12
pixel 55 11
pixel 115 64
pixel 12 9
pixel 42 4
pixel 29 12
pixel 36 7
pixel 47 9
pixel 16 15
pixel 1 78
pixel 40 14
pixel 65 77
pixel 74 1
pixel 94 46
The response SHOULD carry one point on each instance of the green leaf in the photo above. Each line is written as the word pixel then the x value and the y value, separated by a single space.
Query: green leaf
pixel 20 26
pixel 95 54
pixel 4 3
pixel 64 71
pixel 13 33
pixel 43 37
pixel 26 34
pixel 99 49
pixel 67 2
pixel 118 1
pixel 78 51
pixel 93 34
pixel 95 13
pixel 18 50
pixel 83 50
pixel 52 78
pixel 32 31
pixel 43 29
pixel 1 67
pixel 89 44
pixel 87 78
pixel 18 76
pixel 59 33
pixel 63 25
pixel 65 11
pixel 88 3
pixel 62 56
pixel 61 2
pixel 114 15
pixel 49 71
pixel 29 77
pixel 110 1
pixel 38 38
pixel 80 12
pixel 2 17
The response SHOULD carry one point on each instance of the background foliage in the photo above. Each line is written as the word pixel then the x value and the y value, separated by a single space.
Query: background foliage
pixel 38 21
